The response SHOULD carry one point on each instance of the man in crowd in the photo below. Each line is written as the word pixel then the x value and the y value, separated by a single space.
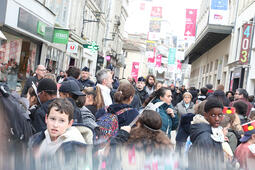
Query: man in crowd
pixel 210 89
pixel 150 82
pixel 203 94
pixel 140 90
pixel 47 92
pixel 220 95
pixel 104 80
pixel 242 95
pixel 61 77
pixel 73 73
pixel 115 79
pixel 40 73
pixel 84 80
pixel 245 152
pixel 183 89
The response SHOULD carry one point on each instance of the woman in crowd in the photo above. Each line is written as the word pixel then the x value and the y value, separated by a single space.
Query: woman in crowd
pixel 123 98
pixel 94 100
pixel 166 112
pixel 185 106
pixel 230 96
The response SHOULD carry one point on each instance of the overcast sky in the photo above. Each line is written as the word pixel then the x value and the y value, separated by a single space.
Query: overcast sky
pixel 173 14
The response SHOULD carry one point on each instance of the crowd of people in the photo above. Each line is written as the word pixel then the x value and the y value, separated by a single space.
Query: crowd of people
pixel 69 112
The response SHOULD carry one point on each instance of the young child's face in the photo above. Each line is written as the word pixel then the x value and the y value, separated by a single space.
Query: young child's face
pixel 214 117
pixel 57 123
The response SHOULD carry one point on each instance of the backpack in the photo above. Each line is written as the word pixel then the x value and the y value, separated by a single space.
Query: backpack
pixel 17 119
pixel 108 125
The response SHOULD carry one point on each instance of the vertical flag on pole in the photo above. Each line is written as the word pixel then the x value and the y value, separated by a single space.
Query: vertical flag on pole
pixel 158 60
pixel 190 26
pixel 135 69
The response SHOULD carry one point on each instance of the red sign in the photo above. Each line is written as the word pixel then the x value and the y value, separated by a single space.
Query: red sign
pixel 158 60
pixel 151 55
pixel 179 65
pixel 156 12
pixel 190 26
pixel 245 45
pixel 135 69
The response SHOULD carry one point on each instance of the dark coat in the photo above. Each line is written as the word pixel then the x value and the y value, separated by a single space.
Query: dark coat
pixel 39 116
pixel 125 118
pixel 177 98
pixel 184 127
pixel 87 83
pixel 78 83
pixel 205 153
pixel 221 96
pixel 143 95
pixel 136 102
pixel 28 84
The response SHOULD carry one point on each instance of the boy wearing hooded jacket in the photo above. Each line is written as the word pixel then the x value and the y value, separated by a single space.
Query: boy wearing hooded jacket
pixel 207 136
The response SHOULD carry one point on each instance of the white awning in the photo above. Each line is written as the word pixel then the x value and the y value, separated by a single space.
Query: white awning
pixel 2 37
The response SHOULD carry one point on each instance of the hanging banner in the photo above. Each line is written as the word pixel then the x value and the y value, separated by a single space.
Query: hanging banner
pixel 219 12
pixel 179 65
pixel 171 56
pixel 150 55
pixel 155 25
pixel 245 43
pixel 156 12
pixel 72 47
pixel 190 25
pixel 135 70
pixel 158 60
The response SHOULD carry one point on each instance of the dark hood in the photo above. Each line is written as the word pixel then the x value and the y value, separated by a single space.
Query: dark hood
pixel 184 127
pixel 197 129
pixel 45 105
pixel 219 93
pixel 117 107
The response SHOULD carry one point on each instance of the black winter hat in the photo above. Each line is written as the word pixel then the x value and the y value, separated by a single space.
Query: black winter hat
pixel 141 79
pixel 85 69
pixel 46 85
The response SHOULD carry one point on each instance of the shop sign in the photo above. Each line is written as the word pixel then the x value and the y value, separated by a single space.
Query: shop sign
pixel 219 12
pixel 171 56
pixel 245 43
pixel 60 36
pixel 92 46
pixel 41 28
pixel 72 47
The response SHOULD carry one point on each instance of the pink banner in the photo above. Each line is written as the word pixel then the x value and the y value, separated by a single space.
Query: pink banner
pixel 151 55
pixel 156 12
pixel 190 26
pixel 179 65
pixel 158 60
pixel 135 69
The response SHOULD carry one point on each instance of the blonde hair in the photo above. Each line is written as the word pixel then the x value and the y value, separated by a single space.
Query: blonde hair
pixel 187 94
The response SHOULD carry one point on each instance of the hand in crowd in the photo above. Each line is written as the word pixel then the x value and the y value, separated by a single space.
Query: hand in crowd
pixel 170 112
pixel 126 128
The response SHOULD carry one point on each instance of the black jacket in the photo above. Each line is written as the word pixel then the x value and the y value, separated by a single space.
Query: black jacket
pixel 39 116
pixel 78 83
pixel 143 95
pixel 87 83
pixel 125 118
pixel 184 127
pixel 205 153
pixel 136 103
pixel 28 84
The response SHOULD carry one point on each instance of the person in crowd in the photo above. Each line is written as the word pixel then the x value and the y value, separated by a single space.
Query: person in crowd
pixel 150 82
pixel 94 99
pixel 183 89
pixel 123 98
pixel 206 137
pixel 131 81
pixel 88 119
pixel 193 91
pixel 115 83
pixel 230 96
pixel 251 100
pixel 220 95
pixel 245 152
pixel 70 90
pixel 252 115
pixel 210 89
pixel 203 94
pixel 185 106
pixel 158 85
pixel 32 98
pixel 166 111
pixel 140 89
pixel 59 135
pixel 47 92
pixel 40 73
pixel 146 133
pixel 104 82
pixel 242 95
pixel 177 96
pixel 61 77
pixel 50 76
pixel 84 80
pixel 241 110
pixel 73 73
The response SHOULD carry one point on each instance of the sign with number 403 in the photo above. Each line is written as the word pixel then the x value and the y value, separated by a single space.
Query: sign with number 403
pixel 245 45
